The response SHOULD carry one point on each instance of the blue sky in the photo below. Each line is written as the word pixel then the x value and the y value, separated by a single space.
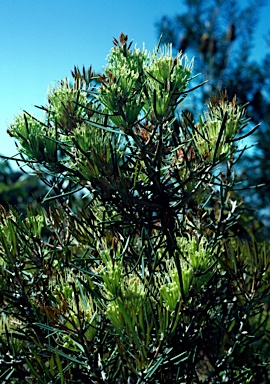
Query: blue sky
pixel 42 40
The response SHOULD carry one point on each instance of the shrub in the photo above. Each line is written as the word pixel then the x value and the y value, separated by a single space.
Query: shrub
pixel 132 272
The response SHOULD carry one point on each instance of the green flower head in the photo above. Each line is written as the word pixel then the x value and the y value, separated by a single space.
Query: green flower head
pixel 168 78
pixel 223 121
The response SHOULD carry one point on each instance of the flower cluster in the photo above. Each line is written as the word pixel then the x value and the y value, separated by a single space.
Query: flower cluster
pixel 37 140
pixel 168 78
pixel 139 81
pixel 126 292
pixel 121 91
pixel 67 106
pixel 223 121
pixel 71 300
pixel 40 139
pixel 194 260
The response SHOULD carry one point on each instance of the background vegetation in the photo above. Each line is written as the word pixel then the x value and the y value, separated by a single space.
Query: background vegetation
pixel 221 34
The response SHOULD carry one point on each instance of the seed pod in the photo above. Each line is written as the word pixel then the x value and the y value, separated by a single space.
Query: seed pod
pixel 204 43
pixel 123 38
pixel 213 46
pixel 231 32
pixel 183 43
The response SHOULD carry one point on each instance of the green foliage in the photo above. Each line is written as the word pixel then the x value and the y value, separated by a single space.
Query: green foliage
pixel 130 270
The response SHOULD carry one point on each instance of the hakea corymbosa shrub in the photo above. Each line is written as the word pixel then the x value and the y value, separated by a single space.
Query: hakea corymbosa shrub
pixel 131 271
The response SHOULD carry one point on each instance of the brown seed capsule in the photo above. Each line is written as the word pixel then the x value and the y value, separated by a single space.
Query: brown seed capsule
pixel 183 43
pixel 123 38
pixel 213 46
pixel 204 43
pixel 231 32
